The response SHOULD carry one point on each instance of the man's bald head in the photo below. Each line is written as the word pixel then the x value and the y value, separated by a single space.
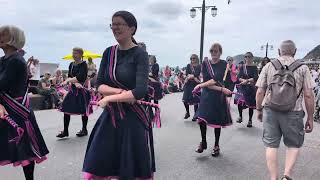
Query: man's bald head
pixel 287 48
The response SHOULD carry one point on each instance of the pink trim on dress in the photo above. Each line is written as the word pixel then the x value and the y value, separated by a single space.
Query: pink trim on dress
pixel 24 162
pixel 89 176
pixel 199 120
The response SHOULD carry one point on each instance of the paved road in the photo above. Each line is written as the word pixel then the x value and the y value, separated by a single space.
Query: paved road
pixel 242 151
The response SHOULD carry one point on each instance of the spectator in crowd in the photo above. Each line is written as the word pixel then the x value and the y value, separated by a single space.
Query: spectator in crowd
pixel 33 69
pixel 166 73
pixel 57 78
pixel 50 93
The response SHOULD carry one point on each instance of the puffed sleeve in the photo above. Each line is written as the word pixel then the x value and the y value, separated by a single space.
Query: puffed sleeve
pixel 188 70
pixel 241 73
pixel 142 66
pixel 205 73
pixel 197 71
pixel 14 69
pixel 102 70
pixel 255 73
pixel 70 70
pixel 155 70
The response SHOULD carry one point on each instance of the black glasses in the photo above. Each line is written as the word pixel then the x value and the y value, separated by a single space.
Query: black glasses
pixel 114 25
pixel 247 56
pixel 193 58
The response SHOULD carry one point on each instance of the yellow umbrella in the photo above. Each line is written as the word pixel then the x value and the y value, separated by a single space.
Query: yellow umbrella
pixel 86 55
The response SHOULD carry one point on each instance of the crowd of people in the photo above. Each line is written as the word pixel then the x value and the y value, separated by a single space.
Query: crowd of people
pixel 129 86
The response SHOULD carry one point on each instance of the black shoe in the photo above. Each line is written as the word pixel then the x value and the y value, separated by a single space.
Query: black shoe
pixel 62 134
pixel 239 120
pixel 194 119
pixel 215 151
pixel 82 133
pixel 249 125
pixel 186 116
pixel 202 146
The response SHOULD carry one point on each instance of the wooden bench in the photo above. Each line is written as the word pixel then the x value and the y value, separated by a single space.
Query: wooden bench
pixel 36 101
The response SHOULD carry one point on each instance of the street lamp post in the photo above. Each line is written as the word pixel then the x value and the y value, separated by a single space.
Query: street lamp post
pixel 203 9
pixel 268 47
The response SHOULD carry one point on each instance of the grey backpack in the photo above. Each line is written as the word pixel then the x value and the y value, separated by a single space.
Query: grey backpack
pixel 282 88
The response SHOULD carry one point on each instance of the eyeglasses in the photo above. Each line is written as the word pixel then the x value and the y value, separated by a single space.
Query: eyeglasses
pixel 214 51
pixel 115 25
pixel 193 58
pixel 247 56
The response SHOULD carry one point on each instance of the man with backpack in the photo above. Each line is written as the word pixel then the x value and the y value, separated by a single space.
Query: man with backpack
pixel 282 86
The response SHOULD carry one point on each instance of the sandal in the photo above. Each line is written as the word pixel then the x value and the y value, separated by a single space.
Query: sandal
pixel 216 151
pixel 82 133
pixel 202 146
pixel 285 177
pixel 62 134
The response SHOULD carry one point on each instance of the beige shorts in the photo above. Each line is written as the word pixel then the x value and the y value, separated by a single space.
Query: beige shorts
pixel 287 124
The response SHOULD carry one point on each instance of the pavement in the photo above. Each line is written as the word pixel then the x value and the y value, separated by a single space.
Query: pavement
pixel 242 152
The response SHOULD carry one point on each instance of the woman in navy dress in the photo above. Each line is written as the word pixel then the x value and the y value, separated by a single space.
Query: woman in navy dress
pixel 21 141
pixel 214 108
pixel 121 144
pixel 248 75
pixel 154 80
pixel 77 100
pixel 193 71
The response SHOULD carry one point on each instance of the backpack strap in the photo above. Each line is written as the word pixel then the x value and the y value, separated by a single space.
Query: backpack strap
pixel 295 65
pixel 277 64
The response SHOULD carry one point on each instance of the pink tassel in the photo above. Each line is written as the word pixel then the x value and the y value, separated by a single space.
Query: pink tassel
pixel 20 131
pixel 157 119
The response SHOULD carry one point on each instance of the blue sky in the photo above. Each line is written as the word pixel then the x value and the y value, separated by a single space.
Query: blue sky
pixel 54 27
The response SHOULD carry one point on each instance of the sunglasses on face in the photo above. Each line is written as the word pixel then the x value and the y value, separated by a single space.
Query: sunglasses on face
pixel 213 51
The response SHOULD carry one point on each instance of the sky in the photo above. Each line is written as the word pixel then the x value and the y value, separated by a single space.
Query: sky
pixel 54 27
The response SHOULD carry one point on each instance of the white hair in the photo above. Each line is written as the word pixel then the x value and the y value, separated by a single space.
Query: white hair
pixel 287 48
pixel 17 37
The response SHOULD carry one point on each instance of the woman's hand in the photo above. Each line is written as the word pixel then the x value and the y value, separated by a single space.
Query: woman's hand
pixel 244 81
pixel 226 91
pixel 104 102
pixel 2 111
pixel 78 85
pixel 197 87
